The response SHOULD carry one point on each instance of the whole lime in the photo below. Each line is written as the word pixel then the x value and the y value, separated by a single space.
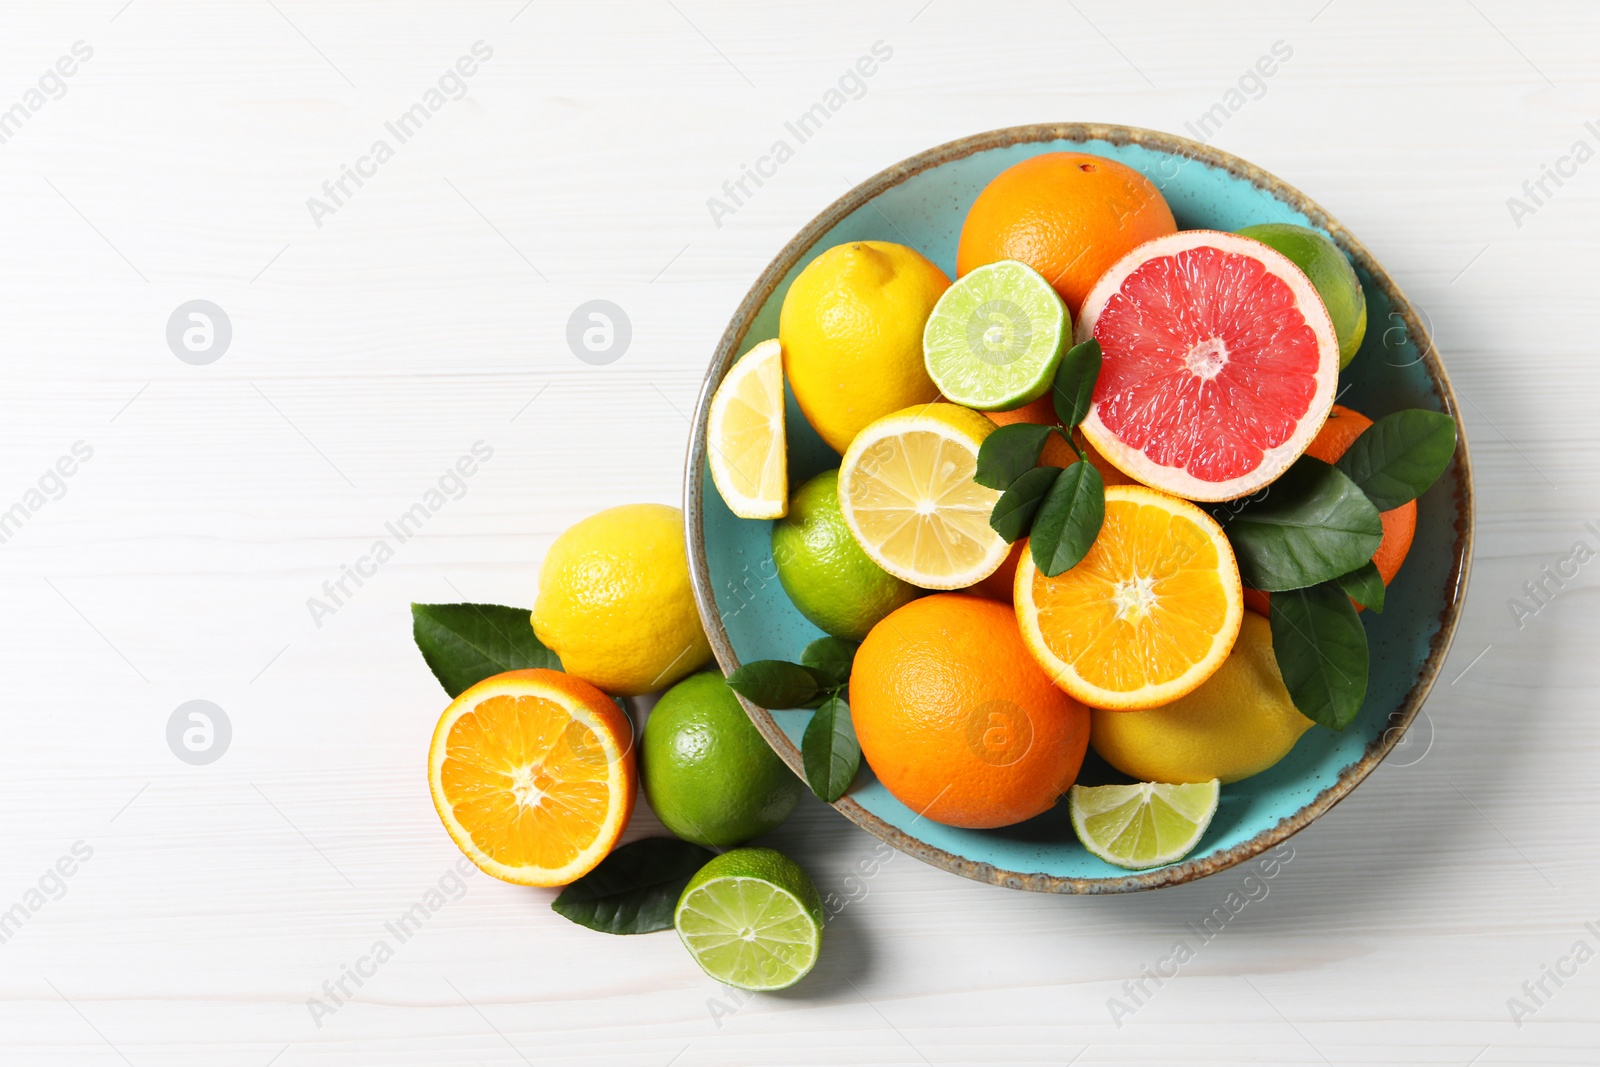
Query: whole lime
pixel 1330 272
pixel 831 580
pixel 709 775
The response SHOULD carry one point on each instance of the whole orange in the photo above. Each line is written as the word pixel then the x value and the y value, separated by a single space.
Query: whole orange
pixel 1068 215
pixel 957 719
pixel 999 584
pixel 1399 524
pixel 1344 425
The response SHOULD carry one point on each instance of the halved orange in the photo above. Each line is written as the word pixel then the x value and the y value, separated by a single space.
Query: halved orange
pixel 1147 615
pixel 533 775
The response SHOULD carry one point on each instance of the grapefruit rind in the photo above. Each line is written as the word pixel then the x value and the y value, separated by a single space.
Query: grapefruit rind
pixel 1274 461
pixel 604 720
pixel 1068 678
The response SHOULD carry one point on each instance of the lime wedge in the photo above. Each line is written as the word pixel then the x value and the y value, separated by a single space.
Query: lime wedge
pixel 995 337
pixel 1144 825
pixel 751 919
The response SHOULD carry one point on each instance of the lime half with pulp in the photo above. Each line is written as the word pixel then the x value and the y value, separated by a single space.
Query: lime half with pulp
pixel 1142 825
pixel 995 337
pixel 751 919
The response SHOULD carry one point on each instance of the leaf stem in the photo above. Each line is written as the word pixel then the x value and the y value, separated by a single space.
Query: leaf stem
pixel 1066 435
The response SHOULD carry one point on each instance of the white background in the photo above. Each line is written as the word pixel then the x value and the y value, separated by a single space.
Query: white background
pixel 429 312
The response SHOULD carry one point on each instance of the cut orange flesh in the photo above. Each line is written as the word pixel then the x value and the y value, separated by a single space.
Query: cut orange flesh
pixel 1148 614
pixel 532 774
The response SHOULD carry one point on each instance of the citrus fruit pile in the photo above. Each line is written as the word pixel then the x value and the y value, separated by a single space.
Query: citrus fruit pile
pixel 1093 493
pixel 536 766
pixel 1110 450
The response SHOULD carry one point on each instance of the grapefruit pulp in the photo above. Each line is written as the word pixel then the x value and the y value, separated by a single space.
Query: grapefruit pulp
pixel 1219 364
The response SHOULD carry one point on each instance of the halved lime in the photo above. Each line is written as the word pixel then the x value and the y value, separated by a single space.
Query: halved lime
pixel 751 919
pixel 995 337
pixel 1143 825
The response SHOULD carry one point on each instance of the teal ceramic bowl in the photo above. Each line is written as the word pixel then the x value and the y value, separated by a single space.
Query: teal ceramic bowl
pixel 922 202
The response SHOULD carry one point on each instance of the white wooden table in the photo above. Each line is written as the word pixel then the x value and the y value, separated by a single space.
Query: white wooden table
pixel 376 338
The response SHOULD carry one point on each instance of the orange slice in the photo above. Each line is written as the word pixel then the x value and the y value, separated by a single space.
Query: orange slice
pixel 1148 614
pixel 532 774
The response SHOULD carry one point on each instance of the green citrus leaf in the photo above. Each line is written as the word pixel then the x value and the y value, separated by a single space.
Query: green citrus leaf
pixel 774 684
pixel 1008 453
pixel 830 751
pixel 635 889
pixel 830 659
pixel 1069 520
pixel 1321 650
pixel 1074 385
pixel 1013 512
pixel 465 643
pixel 1312 525
pixel 1399 456
pixel 1365 586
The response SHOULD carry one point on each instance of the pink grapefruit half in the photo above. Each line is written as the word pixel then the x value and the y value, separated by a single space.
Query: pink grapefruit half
pixel 1220 364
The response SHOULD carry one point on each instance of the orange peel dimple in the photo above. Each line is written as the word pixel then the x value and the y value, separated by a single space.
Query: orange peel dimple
pixel 1149 614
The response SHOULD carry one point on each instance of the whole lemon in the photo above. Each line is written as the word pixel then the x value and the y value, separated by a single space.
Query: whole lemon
pixel 615 601
pixel 1238 723
pixel 851 328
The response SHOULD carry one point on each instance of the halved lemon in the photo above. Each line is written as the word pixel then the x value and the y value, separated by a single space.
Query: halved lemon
pixel 1150 613
pixel 532 773
pixel 907 494
pixel 744 435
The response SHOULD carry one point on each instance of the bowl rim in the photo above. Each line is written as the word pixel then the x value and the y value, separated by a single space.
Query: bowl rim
pixel 1080 132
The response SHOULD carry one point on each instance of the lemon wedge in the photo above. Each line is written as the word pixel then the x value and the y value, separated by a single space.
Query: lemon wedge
pixel 745 436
